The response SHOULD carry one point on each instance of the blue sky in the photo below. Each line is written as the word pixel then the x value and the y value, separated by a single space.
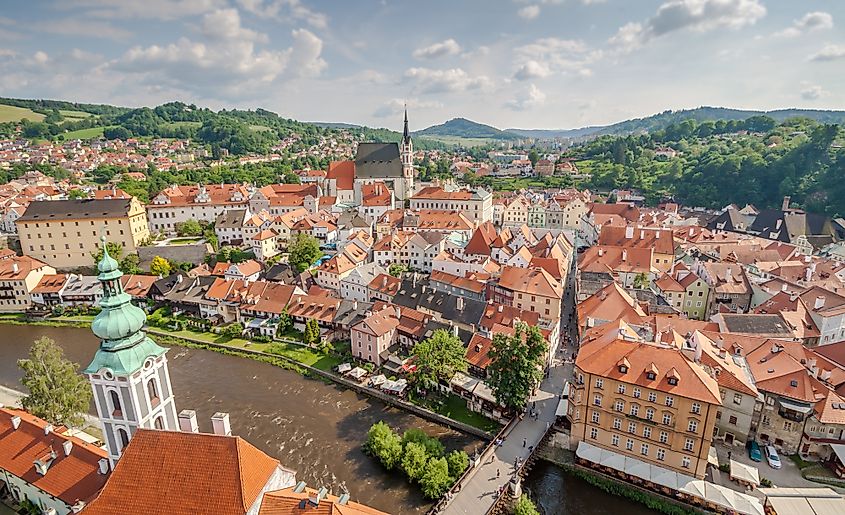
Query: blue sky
pixel 509 63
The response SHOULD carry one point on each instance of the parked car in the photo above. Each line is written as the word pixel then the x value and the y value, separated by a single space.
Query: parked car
pixel 754 451
pixel 772 457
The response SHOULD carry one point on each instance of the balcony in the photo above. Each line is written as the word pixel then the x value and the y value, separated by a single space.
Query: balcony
pixel 791 415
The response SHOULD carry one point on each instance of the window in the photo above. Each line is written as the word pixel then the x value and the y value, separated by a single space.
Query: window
pixel 667 418
pixel 115 404
pixel 629 444
pixel 770 401
pixel 651 376
pixel 632 427
pixel 152 389
pixel 647 431
pixel 766 420
pixel 644 449
pixel 664 437
pixel 614 440
pixel 661 454
pixel 124 438
pixel 594 433
pixel 636 393
pixel 621 388
pixel 692 427
pixel 617 423
pixel 685 462
pixel 159 423
pixel 737 398
pixel 652 397
pixel 649 414
pixel 732 420
pixel 599 382
pixel 787 426
pixel 696 408
pixel 597 400
pixel 595 417
pixel 635 409
pixel 620 405
pixel 670 400
pixel 688 444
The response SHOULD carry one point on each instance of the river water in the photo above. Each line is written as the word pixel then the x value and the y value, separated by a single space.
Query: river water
pixel 311 427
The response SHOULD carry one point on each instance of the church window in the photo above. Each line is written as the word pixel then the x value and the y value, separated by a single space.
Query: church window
pixel 115 403
pixel 124 438
pixel 152 389
pixel 159 423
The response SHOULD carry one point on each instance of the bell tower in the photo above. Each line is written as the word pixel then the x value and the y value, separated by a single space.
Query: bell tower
pixel 406 152
pixel 129 371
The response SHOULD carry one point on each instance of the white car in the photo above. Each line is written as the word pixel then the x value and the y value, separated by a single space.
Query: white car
pixel 772 457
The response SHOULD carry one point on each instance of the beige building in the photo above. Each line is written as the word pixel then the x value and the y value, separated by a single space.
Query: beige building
pixel 645 401
pixel 66 233
pixel 19 275
pixel 476 205
pixel 371 337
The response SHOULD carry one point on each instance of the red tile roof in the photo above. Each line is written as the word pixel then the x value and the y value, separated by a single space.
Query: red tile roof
pixel 290 502
pixel 343 172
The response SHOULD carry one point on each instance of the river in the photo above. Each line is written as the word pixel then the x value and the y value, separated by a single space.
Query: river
pixel 311 427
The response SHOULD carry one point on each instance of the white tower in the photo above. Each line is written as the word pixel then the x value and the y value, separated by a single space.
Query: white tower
pixel 129 371
pixel 406 152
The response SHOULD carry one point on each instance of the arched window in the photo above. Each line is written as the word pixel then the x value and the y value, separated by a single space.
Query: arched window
pixel 124 438
pixel 115 404
pixel 159 423
pixel 152 389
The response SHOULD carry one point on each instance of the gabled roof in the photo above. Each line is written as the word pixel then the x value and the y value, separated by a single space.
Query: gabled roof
pixel 50 210
pixel 176 473
pixel 534 281
pixel 482 240
pixel 610 303
pixel 16 268
pixel 343 172
pixel 610 259
pixel 291 501
pixel 661 240
pixel 477 353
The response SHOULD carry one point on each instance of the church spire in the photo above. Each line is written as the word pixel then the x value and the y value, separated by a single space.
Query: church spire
pixel 406 134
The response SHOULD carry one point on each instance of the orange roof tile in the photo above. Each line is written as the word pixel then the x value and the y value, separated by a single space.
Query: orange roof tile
pixel 343 172
pixel 535 281
pixel 661 240
pixel 290 502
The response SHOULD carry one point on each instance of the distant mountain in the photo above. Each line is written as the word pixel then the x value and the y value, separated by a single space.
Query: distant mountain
pixel 463 128
pixel 336 125
pixel 556 133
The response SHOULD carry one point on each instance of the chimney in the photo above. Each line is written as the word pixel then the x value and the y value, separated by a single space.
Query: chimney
pixel 67 445
pixel 455 330
pixel 354 304
pixel 819 302
pixel 642 235
pixel 220 424
pixel 103 466
pixel 624 254
pixel 728 274
pixel 691 232
pixel 601 252
pixel 459 303
pixel 808 273
pixel 629 232
pixel 783 287
pixel 793 297
pixel 657 234
pixel 785 205
pixel 15 268
pixel 500 308
pixel 188 421
pixel 48 429
pixel 16 422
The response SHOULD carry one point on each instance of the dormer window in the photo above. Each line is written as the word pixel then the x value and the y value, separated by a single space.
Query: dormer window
pixel 623 369
pixel 651 376
pixel 673 381
pixel 793 383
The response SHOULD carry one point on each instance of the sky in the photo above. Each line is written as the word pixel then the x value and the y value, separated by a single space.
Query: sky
pixel 508 63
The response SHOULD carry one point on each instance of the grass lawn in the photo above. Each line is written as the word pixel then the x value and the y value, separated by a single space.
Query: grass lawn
pixel 184 241
pixel 12 316
pixel 304 355
pixel 93 132
pixel 174 125
pixel 259 128
pixel 16 114
pixel 455 408
pixel 76 115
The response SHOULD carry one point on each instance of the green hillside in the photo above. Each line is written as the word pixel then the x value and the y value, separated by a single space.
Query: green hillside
pixel 463 128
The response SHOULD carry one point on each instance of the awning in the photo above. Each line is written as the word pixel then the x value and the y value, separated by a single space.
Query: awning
pixel 562 408
pixel 712 457
pixel 745 473
pixel 344 367
pixel 588 452
pixel 463 381
pixel 794 406
pixel 632 466
pixel 805 501
pixel 357 372
pixel 725 497
pixel 484 392
pixel 839 450
pixel 377 380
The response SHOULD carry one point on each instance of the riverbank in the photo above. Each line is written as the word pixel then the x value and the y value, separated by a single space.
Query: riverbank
pixel 298 358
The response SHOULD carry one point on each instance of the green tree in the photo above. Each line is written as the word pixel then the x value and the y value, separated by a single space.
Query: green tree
pixel 516 365
pixel 439 357
pixel 458 462
pixel 189 228
pixel 130 264
pixel 57 393
pixel 384 444
pixel 433 447
pixel 77 194
pixel 533 156
pixel 641 280
pixel 160 266
pixel 414 460
pixel 233 330
pixel 524 506
pixel 115 251
pixel 436 480
pixel 311 336
pixel 285 321
pixel 397 269
pixel 303 251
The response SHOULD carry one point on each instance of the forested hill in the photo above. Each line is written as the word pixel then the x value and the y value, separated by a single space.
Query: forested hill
pixel 238 131
pixel 463 128
pixel 757 161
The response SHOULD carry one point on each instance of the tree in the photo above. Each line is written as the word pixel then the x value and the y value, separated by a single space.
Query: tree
pixel 233 330
pixel 77 194
pixel 439 357
pixel 524 506
pixel 285 322
pixel 397 269
pixel 303 251
pixel 311 335
pixel 189 228
pixel 115 251
pixel 458 462
pixel 516 365
pixel 160 266
pixel 57 393
pixel 641 280
pixel 414 460
pixel 432 445
pixel 384 444
pixel 130 264
pixel 533 156
pixel 436 480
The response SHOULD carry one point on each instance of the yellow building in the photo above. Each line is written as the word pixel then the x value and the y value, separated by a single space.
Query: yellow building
pixel 18 276
pixel 645 401
pixel 65 233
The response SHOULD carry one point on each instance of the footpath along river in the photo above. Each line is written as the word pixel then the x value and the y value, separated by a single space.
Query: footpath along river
pixel 311 427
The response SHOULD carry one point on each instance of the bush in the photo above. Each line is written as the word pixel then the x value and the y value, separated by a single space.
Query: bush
pixel 432 445
pixel 436 481
pixel 766 482
pixel 261 339
pixel 524 506
pixel 725 467
pixel 414 460
pixel 458 462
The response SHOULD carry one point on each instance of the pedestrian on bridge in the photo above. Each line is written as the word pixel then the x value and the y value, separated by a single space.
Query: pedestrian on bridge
pixel 524 442
pixel 498 473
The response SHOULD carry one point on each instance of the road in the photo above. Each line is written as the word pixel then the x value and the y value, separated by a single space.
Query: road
pixel 480 488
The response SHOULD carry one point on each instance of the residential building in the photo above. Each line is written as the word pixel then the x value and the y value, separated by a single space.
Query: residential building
pixel 476 205
pixel 601 265
pixel 299 499
pixel 729 286
pixel 355 286
pixel 19 276
pixel 178 204
pixel 229 226
pixel 66 233
pixel 375 334
pixel 265 245
pixel 661 242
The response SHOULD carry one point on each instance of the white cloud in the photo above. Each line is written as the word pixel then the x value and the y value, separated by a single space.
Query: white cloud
pixel 443 81
pixel 40 57
pixel 701 15
pixel 226 61
pixel 547 56
pixel 441 49
pixel 285 9
pixel 529 12
pixel 829 53
pixel 83 28
pixel 146 9
pixel 530 98
pixel 7 52
pixel 810 22
pixel 813 92
pixel 396 106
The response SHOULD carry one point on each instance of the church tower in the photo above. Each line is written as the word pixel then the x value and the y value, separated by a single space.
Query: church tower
pixel 129 371
pixel 406 152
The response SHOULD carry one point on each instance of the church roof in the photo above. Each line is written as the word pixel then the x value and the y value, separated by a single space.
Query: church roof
pixel 378 160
